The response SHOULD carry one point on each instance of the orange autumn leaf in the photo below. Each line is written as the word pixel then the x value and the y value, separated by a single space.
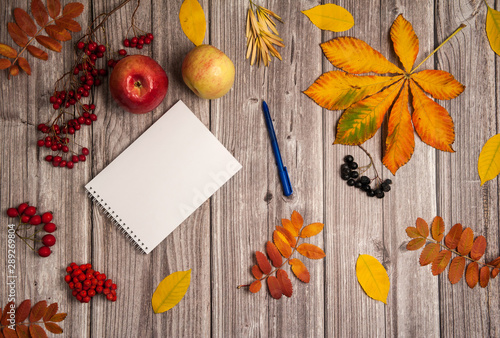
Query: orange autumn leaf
pixel 255 286
pixel 368 99
pixel 282 244
pixel 287 224
pixel 273 254
pixel 274 287
pixel 297 220
pixel 14 70
pixel 310 251
pixel 256 272
pixel 54 7
pixel 288 235
pixel 68 24
pixel 495 272
pixel 17 34
pixel 7 51
pixel 484 276
pixel 457 267
pixel 441 261
pixel 285 282
pixel 5 63
pixel 472 274
pixel 466 241
pixel 478 248
pixel 495 262
pixel 429 254
pixel 49 43
pixel 437 228
pixel 39 12
pixel 412 232
pixel 415 244
pixel 72 10
pixel 422 227
pixel 58 33
pixel 38 53
pixel 300 270
pixel 24 21
pixel 23 63
pixel 311 230
pixel 262 262
pixel 451 240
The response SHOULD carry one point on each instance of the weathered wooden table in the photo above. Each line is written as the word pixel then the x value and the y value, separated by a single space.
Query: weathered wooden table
pixel 218 241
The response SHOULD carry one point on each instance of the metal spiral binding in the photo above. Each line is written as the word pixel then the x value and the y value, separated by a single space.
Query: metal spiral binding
pixel 136 242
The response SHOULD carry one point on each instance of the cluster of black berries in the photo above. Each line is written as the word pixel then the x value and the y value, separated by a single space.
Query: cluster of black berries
pixel 350 174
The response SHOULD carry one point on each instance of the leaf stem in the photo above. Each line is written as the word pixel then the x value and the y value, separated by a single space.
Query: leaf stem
pixel 441 45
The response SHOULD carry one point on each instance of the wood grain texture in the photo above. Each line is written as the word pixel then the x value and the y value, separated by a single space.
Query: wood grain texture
pixel 219 240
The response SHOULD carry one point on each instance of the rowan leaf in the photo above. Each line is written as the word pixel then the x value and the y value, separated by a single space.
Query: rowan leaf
pixel 5 314
pixel 429 254
pixel 484 276
pixel 22 331
pixel 453 237
pixel 263 263
pixel 58 33
pixel 440 84
pixel 5 63
pixel 361 121
pixel 170 291
pixel 311 230
pixel 54 7
pixel 330 17
pixel 412 232
pixel 39 12
pixel 23 63
pixel 274 254
pixel 17 34
pixel 285 283
pixel 297 220
pixel 432 122
pixel 310 251
pixel 373 277
pixel 68 24
pixel 405 42
pixel 24 21
pixel 37 331
pixel 495 272
pixel 72 10
pixel 466 241
pixel 14 70
pixel 437 228
pixel 288 235
pixel 193 22
pixel 38 53
pixel 256 272
pixel 9 333
pixel 357 57
pixel 38 310
pixel 53 327
pixel 299 270
pixel 51 311
pixel 493 28
pixel 7 51
pixel 274 287
pixel 255 286
pixel 472 274
pixel 282 245
pixel 400 141
pixel 58 317
pixel 23 311
pixel 416 244
pixel 441 261
pixel 488 165
pixel 287 224
pixel 49 43
pixel 478 248
pixel 456 270
pixel 422 227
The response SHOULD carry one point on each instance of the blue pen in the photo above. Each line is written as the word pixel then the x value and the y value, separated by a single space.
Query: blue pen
pixel 285 179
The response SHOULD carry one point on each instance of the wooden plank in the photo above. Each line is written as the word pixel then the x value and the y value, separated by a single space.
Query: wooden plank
pixel 461 199
pixel 247 209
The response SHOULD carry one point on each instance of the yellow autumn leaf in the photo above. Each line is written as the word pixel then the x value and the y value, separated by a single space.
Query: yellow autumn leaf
pixel 488 164
pixel 493 29
pixel 330 17
pixel 170 291
pixel 192 20
pixel 373 277
pixel 405 42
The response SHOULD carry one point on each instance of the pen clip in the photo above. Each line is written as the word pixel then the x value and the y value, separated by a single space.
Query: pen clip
pixel 285 180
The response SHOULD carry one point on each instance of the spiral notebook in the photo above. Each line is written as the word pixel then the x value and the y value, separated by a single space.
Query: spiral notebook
pixel 162 177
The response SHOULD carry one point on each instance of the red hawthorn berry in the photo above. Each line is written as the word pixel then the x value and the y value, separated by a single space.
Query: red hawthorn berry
pixel 30 211
pixel 12 212
pixel 47 217
pixel 35 220
pixel 44 251
pixel 48 240
pixel 49 227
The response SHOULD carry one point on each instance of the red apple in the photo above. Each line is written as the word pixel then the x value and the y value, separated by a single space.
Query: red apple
pixel 138 84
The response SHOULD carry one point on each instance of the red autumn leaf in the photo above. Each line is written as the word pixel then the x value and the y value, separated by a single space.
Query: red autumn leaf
pixel 288 235
pixel 22 331
pixel 38 53
pixel 58 33
pixel 14 70
pixel 23 311
pixel 274 287
pixel 68 24
pixel 429 254
pixel 297 220
pixel 53 327
pixel 51 311
pixel 73 9
pixel 54 7
pixel 451 240
pixel 441 261
pixel 472 274
pixel 412 232
pixel 285 282
pixel 311 230
pixel 282 245
pixel 49 43
pixel 273 254
pixel 478 248
pixel 5 315
pixel 9 333
pixel 495 262
pixel 59 317
pixel 17 34
pixel 255 286
pixel 311 251
pixel 257 272
pixel 422 227
pixel 37 331
pixel 23 63
pixel 5 63
pixel 466 241
pixel 287 224
pixel 456 270
pixel 24 21
pixel 415 244
pixel 300 270
pixel 437 228
pixel 7 51
pixel 39 12
pixel 495 272
pixel 263 263
pixel 38 310
pixel 484 276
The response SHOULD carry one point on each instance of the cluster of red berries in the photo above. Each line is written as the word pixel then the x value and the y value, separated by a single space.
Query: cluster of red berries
pixel 61 144
pixel 27 216
pixel 135 42
pixel 86 283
